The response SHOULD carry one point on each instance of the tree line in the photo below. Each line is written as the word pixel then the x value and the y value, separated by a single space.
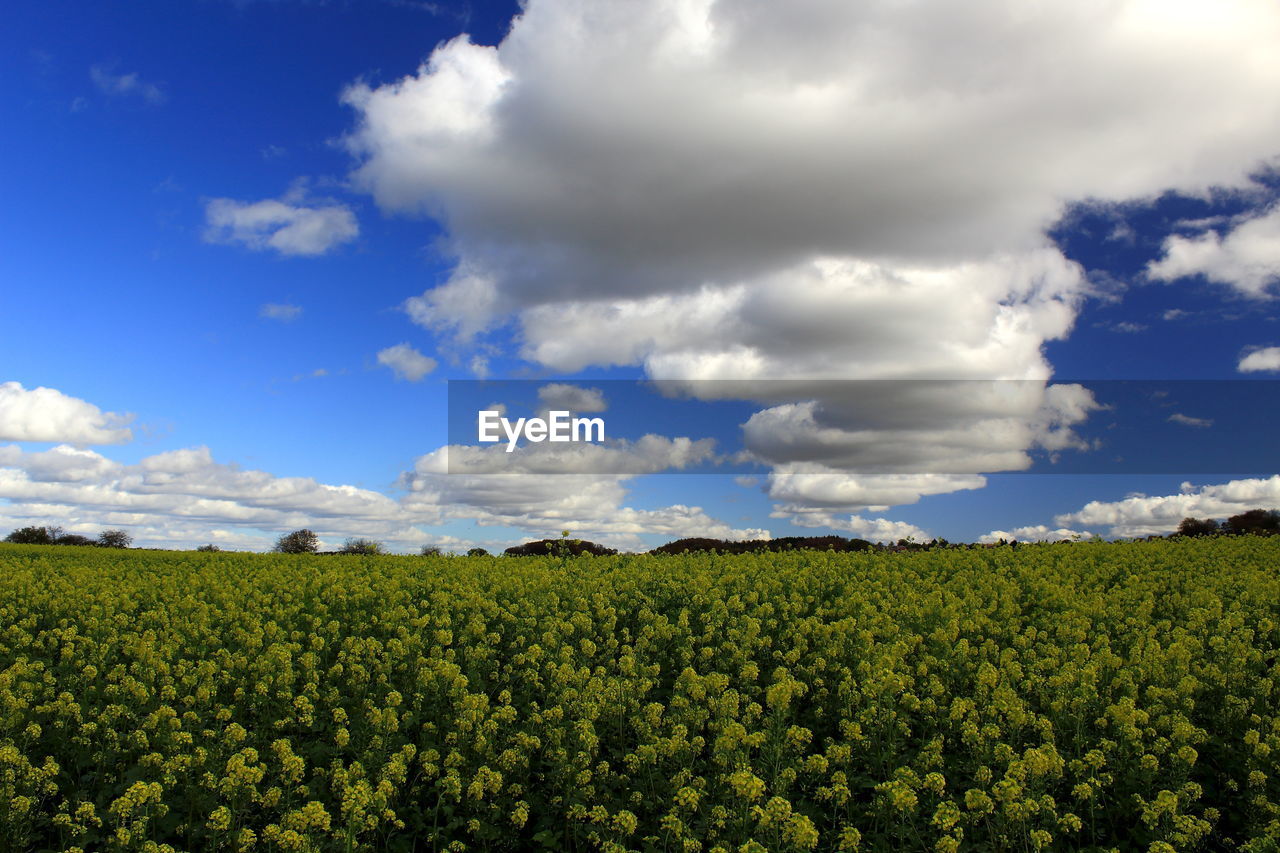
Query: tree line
pixel 1255 522
pixel 54 535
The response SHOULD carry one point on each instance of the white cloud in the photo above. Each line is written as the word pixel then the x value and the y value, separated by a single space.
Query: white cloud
pixel 829 190
pixel 46 414
pixel 1187 420
pixel 944 427
pixel 184 497
pixel 546 488
pixel 1034 533
pixel 1142 515
pixel 871 529
pixel 288 226
pixel 704 142
pixel 125 85
pixel 406 362
pixel 1260 360
pixel 805 487
pixel 276 311
pixel 60 464
pixel 573 398
pixel 648 454
pixel 1246 257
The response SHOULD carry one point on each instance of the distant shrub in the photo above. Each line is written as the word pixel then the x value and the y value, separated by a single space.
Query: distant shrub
pixel 209 548
pixel 755 546
pixel 301 541
pixel 477 552
pixel 1258 522
pixel 30 536
pixel 75 539
pixel 114 539
pixel 430 551
pixel 361 546
pixel 1198 527
pixel 544 547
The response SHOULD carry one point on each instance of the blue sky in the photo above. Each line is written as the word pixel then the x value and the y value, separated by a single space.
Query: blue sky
pixel 246 245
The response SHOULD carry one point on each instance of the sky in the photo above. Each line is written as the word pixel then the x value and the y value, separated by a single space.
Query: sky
pixel 251 250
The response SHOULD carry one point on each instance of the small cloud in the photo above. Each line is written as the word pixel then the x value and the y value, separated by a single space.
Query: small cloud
pixel 559 395
pixel 168 185
pixel 290 227
pixel 406 362
pixel 1246 256
pixel 79 104
pixel 125 85
pixel 275 311
pixel 1035 533
pixel 1187 420
pixel 1261 360
pixel 1122 233
pixel 271 152
pixel 746 481
pixel 1127 328
pixel 1174 314
pixel 318 373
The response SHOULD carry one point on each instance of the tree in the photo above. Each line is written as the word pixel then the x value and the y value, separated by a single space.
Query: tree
pixel 1259 522
pixel 298 542
pixel 361 546
pixel 30 536
pixel 477 552
pixel 210 548
pixel 75 539
pixel 430 551
pixel 1198 527
pixel 114 539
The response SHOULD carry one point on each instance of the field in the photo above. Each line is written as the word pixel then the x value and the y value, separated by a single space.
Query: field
pixel 1058 697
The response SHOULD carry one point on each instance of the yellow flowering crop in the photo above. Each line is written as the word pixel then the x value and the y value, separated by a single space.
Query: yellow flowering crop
pixel 1085 696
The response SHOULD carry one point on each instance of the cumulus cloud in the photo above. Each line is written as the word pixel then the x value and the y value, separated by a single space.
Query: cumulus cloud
pixel 573 398
pixel 805 487
pixel 275 311
pixel 651 148
pixel 1188 420
pixel 1034 533
pixel 289 226
pixel 125 85
pixel 1260 360
pixel 46 414
pixel 871 529
pixel 646 455
pixel 1142 515
pixel 61 464
pixel 545 488
pixel 1246 256
pixel 829 190
pixel 185 497
pixel 941 427
pixel 406 362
